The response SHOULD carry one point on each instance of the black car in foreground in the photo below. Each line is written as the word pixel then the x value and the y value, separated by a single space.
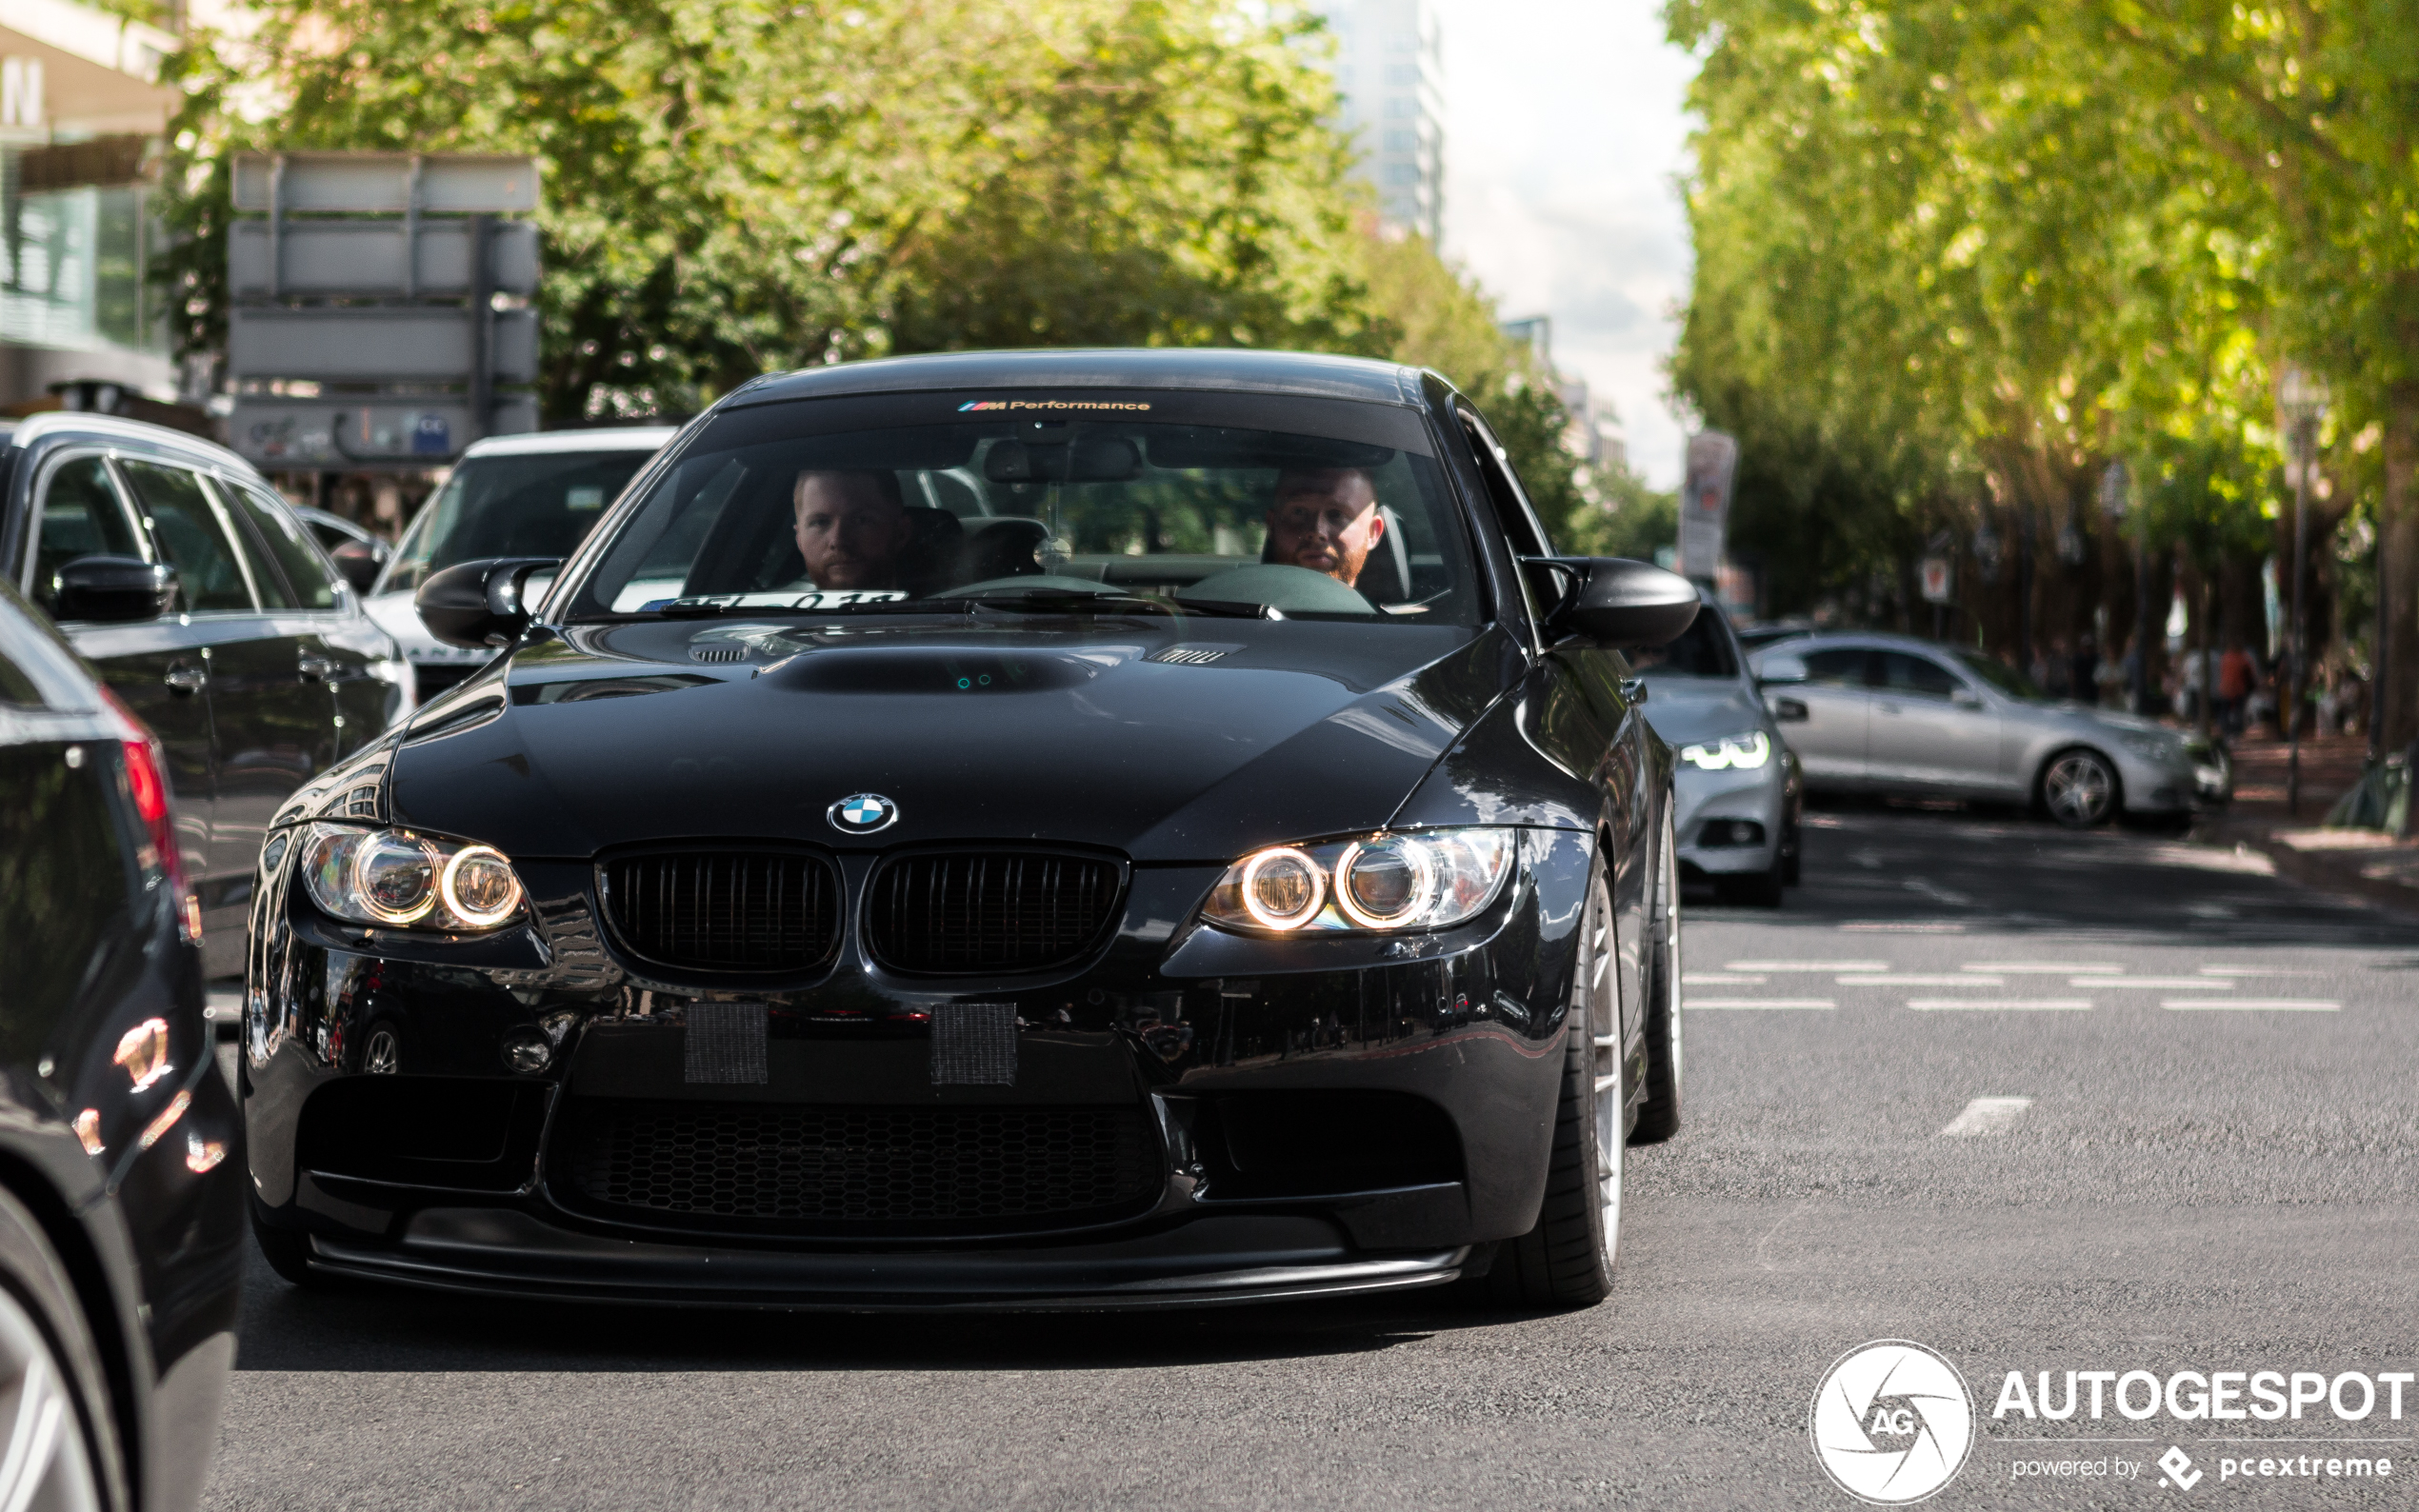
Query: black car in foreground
pixel 1017 830
pixel 121 1213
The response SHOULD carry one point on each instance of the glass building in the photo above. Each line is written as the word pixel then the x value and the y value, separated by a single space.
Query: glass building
pixel 1389 66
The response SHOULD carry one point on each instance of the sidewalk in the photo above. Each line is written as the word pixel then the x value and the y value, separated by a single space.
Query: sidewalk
pixel 2360 862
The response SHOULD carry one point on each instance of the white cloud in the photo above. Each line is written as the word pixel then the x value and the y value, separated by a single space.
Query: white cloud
pixel 1564 134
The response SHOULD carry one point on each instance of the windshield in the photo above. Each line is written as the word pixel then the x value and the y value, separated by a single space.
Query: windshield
pixel 1332 511
pixel 1701 651
pixel 540 504
pixel 2003 677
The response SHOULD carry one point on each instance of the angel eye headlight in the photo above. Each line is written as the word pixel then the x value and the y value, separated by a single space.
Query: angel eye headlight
pixel 401 880
pixel 1282 888
pixel 1744 752
pixel 1377 883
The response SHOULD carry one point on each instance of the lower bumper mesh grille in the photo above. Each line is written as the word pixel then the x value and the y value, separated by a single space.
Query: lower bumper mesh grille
pixel 800 1167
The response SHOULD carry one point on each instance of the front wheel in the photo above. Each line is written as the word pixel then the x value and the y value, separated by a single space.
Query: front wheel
pixel 2079 788
pixel 1566 1260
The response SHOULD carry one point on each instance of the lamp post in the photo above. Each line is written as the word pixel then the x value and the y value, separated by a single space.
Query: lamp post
pixel 2300 403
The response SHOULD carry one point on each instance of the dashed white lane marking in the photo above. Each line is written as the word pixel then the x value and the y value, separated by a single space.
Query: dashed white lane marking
pixel 2277 1005
pixel 1716 979
pixel 2042 969
pixel 2021 1003
pixel 2169 983
pixel 1693 1004
pixel 2258 971
pixel 1885 979
pixel 1807 965
pixel 1936 892
pixel 1986 1115
pixel 1882 926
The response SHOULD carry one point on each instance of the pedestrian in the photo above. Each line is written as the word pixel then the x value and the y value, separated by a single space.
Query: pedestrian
pixel 2086 680
pixel 2056 670
pixel 2236 673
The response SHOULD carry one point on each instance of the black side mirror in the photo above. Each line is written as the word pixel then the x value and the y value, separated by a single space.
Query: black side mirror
pixel 358 563
pixel 112 589
pixel 479 604
pixel 1613 601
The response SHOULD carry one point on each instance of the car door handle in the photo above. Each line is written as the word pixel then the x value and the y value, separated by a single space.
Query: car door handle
pixel 187 679
pixel 315 669
pixel 1633 690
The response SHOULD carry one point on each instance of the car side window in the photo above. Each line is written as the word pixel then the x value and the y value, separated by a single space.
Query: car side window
pixel 191 537
pixel 304 568
pixel 1917 675
pixel 1836 668
pixel 82 515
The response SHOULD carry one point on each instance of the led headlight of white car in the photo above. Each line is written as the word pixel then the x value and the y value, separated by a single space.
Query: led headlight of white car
pixel 404 880
pixel 1384 883
pixel 1743 752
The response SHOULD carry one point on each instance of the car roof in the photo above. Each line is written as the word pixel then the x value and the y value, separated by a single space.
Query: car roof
pixel 604 438
pixel 88 423
pixel 1221 369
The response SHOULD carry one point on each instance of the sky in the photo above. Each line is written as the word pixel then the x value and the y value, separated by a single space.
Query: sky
pixel 1563 133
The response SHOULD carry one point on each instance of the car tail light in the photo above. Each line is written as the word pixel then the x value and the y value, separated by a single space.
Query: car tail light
pixel 147 783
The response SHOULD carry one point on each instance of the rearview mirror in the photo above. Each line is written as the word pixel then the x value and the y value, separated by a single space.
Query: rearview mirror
pixel 112 589
pixel 358 563
pixel 480 604
pixel 1616 602
pixel 1780 670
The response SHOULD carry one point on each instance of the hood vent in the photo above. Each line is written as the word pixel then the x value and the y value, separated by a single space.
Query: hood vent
pixel 717 655
pixel 1189 654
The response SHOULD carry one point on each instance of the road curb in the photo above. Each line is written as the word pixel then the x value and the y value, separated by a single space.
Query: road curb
pixel 2330 870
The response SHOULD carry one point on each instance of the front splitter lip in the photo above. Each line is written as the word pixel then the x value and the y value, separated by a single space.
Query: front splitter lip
pixel 628 1273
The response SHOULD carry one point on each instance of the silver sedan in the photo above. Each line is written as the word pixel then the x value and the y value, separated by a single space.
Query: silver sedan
pixel 1889 713
pixel 1735 787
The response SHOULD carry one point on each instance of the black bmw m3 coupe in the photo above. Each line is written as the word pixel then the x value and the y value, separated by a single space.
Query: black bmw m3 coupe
pixel 1045 829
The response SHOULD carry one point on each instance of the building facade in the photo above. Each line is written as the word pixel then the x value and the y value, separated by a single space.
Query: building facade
pixel 82 115
pixel 1389 66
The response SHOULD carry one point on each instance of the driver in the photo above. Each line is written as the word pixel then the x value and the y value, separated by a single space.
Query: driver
pixel 1326 519
pixel 852 528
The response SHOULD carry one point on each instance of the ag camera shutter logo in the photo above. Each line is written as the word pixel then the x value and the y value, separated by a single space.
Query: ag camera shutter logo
pixel 1892 1423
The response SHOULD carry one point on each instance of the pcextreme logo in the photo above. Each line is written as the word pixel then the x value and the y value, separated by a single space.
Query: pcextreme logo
pixel 1892 1423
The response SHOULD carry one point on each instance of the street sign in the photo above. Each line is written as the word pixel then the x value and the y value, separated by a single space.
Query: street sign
pixel 382 343
pixel 385 184
pixel 1940 580
pixel 366 259
pixel 380 434
pixel 1705 502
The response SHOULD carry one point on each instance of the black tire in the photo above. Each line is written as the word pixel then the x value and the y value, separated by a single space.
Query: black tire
pixel 287 1253
pixel 1566 1260
pixel 52 1379
pixel 1659 1113
pixel 2079 788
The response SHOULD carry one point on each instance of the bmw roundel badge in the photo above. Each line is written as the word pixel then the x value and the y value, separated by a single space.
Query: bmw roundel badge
pixel 863 813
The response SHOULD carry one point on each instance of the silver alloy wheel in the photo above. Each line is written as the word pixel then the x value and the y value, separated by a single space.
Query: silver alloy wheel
pixel 1668 935
pixel 2079 789
pixel 47 1463
pixel 1600 989
pixel 381 1056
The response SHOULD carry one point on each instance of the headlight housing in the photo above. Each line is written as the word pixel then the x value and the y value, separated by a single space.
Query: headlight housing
pixel 1744 752
pixel 2153 748
pixel 1383 884
pixel 402 880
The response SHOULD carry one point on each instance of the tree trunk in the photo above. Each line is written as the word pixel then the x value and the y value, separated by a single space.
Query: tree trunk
pixel 2398 550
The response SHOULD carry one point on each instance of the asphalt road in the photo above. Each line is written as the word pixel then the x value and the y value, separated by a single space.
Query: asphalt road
pixel 2215 1170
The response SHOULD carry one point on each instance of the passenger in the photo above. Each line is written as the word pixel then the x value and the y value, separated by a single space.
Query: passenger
pixel 852 528
pixel 1326 519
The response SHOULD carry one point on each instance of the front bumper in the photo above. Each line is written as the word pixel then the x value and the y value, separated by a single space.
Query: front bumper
pixel 1310 1117
pixel 1707 804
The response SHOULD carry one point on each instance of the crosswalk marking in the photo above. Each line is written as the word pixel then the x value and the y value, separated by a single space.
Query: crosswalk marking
pixel 2044 968
pixel 2025 1003
pixel 1986 1115
pixel 2278 1005
pixel 2169 983
pixel 1885 979
pixel 1717 978
pixel 1808 965
pixel 1757 1002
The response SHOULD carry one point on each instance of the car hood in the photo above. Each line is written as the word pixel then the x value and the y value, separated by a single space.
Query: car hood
pixel 1071 731
pixel 1690 710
